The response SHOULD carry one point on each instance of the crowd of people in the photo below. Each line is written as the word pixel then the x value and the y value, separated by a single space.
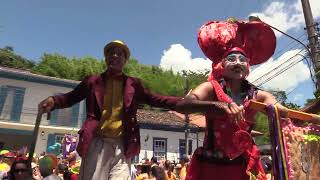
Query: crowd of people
pixel 162 170
pixel 51 167
pixel 14 166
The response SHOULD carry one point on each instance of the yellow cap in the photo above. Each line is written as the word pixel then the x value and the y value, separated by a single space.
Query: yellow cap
pixel 117 43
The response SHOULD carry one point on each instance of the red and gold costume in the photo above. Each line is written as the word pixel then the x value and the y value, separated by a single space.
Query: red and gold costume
pixel 229 151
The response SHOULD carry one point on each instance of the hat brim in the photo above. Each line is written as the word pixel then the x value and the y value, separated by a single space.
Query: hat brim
pixel 260 41
pixel 255 38
pixel 118 44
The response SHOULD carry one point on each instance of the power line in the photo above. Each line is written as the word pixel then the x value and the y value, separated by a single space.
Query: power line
pixel 275 68
pixel 290 45
pixel 281 71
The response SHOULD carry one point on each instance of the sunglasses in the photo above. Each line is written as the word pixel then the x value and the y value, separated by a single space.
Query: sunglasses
pixel 233 58
pixel 20 170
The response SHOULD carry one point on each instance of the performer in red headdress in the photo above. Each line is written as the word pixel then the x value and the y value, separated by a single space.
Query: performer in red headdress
pixel 229 151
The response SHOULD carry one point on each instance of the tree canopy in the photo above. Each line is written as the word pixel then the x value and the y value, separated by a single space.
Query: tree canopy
pixel 10 59
pixel 56 65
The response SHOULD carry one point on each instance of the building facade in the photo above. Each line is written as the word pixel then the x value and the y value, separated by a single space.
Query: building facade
pixel 162 132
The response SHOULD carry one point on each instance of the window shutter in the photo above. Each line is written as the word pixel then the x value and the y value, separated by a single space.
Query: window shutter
pixel 3 96
pixel 54 114
pixel 75 115
pixel 17 103
pixel 51 140
pixel 54 117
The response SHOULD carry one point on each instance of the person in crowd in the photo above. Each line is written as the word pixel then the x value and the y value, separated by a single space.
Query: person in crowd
pixel 154 161
pixel 48 166
pixel 19 170
pixel 63 171
pixel 157 173
pixel 177 170
pixel 229 151
pixel 109 137
pixel 4 167
pixel 170 175
pixel 184 166
pixel 138 169
pixel 35 171
pixel 145 172
pixel 166 165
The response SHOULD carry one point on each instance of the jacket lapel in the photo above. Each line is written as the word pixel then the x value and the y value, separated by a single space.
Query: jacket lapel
pixel 128 91
pixel 100 89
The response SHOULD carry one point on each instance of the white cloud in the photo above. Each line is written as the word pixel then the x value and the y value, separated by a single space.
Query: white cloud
pixel 315 7
pixel 285 81
pixel 179 58
pixel 298 98
pixel 286 16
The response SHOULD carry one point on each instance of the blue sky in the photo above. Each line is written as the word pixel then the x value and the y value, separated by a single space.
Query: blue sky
pixel 157 32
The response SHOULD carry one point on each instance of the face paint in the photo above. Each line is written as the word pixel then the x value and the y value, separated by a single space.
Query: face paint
pixel 237 58
pixel 235 66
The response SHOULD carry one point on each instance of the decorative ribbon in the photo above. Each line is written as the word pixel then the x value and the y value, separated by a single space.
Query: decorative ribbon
pixel 279 163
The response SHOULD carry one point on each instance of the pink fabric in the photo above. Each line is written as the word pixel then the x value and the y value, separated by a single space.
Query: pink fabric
pixel 256 39
pixel 208 171
pixel 226 141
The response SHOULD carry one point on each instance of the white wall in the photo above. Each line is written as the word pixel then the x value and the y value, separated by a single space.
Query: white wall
pixel 172 142
pixel 34 94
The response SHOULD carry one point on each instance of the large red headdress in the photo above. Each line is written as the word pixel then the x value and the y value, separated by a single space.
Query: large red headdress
pixel 254 39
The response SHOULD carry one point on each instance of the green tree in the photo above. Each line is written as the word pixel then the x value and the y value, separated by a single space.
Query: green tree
pixel 10 59
pixel 86 66
pixel 55 65
pixel 262 125
pixel 280 96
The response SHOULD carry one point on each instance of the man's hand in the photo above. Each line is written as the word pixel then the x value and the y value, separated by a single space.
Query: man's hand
pixel 46 105
pixel 234 112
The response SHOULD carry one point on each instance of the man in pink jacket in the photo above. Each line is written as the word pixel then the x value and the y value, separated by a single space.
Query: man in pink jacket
pixel 109 137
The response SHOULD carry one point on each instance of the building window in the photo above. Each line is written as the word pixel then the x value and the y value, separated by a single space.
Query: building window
pixel 160 148
pixel 58 139
pixel 182 147
pixel 135 159
pixel 190 147
pixel 55 138
pixel 11 102
pixel 66 117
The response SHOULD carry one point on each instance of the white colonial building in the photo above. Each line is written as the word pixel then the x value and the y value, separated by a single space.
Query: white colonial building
pixel 162 132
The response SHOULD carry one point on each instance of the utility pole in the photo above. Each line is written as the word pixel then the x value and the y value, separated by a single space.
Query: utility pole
pixel 313 37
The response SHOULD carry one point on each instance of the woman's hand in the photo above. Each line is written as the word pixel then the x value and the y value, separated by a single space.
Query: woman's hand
pixel 235 112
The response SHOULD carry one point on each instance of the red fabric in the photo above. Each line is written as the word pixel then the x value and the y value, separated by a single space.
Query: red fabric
pixel 233 140
pixel 74 177
pixel 205 171
pixel 256 39
pixel 254 163
pixel 21 158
